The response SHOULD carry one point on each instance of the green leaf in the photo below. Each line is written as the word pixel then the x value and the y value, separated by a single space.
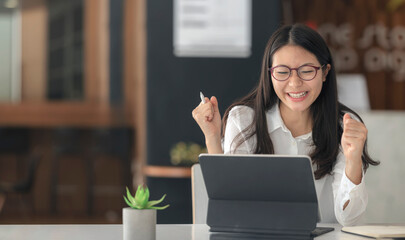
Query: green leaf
pixel 142 197
pixel 128 203
pixel 137 207
pixel 146 195
pixel 140 200
pixel 139 195
pixel 153 203
pixel 160 208
pixel 130 198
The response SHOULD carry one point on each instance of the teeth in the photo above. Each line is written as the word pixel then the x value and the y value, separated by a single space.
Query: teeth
pixel 298 95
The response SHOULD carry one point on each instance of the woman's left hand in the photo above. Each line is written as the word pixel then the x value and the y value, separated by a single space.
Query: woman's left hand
pixel 353 139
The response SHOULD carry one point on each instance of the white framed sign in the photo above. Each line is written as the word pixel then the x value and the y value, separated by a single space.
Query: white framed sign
pixel 212 28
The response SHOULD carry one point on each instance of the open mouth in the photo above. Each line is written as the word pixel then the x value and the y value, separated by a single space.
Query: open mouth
pixel 297 95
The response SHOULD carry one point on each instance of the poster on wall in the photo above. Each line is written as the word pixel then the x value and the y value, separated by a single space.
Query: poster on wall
pixel 212 28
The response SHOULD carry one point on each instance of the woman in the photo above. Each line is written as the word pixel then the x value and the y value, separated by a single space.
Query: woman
pixel 294 110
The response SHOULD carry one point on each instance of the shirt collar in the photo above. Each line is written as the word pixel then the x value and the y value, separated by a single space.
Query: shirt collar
pixel 274 122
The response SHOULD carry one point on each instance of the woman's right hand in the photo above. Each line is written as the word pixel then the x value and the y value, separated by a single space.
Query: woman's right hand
pixel 208 118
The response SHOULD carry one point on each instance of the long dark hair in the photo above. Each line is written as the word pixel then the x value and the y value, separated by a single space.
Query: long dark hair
pixel 327 113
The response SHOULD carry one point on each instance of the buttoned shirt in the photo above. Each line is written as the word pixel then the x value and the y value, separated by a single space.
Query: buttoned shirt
pixel 333 190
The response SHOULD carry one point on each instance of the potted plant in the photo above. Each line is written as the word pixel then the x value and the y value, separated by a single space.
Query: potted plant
pixel 139 219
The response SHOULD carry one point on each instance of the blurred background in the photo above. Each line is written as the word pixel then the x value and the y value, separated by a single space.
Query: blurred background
pixel 96 95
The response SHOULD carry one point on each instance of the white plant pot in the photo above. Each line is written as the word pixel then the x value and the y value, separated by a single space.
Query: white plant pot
pixel 139 224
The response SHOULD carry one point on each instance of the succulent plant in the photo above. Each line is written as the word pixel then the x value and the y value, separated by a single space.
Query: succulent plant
pixel 141 199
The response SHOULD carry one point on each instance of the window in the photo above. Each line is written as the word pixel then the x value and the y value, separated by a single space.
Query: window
pixel 65 50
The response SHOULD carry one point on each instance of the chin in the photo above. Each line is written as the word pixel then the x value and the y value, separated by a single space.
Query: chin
pixel 298 107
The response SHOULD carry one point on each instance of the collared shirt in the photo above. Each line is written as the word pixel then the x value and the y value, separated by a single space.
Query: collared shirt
pixel 333 190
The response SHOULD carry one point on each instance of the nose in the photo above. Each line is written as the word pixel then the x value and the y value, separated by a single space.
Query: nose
pixel 294 79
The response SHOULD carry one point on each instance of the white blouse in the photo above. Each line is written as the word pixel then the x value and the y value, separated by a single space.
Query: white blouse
pixel 333 190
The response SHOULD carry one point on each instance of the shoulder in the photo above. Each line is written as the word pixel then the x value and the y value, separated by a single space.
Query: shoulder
pixel 241 115
pixel 241 110
pixel 237 136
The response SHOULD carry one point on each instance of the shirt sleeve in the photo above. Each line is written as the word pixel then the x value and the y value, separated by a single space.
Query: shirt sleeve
pixel 239 118
pixel 344 190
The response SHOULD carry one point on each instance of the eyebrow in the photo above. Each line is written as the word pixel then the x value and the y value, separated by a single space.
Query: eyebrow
pixel 305 64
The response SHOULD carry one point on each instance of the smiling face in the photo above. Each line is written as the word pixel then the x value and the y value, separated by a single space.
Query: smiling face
pixel 297 95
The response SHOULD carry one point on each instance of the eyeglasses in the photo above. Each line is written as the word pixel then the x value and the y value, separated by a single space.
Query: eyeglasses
pixel 305 72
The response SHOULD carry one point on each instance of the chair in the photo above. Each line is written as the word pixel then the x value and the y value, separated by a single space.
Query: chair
pixel 385 183
pixel 199 195
pixel 23 186
pixel 16 142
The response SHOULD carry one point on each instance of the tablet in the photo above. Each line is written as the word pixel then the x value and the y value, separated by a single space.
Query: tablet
pixel 273 194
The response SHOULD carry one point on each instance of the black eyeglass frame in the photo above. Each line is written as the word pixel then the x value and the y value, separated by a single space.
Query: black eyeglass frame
pixel 296 69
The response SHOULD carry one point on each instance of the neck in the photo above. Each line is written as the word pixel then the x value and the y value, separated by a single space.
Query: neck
pixel 299 123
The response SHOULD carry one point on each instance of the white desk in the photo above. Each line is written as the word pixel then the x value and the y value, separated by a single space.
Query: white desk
pixel 114 232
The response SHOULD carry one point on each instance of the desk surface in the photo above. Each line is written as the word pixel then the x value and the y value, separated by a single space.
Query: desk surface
pixel 104 231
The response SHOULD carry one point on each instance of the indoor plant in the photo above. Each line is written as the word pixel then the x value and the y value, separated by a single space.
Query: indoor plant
pixel 139 219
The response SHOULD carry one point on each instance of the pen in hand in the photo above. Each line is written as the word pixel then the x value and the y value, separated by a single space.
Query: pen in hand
pixel 202 97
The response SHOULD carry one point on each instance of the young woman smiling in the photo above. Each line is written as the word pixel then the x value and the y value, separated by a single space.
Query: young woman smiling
pixel 294 110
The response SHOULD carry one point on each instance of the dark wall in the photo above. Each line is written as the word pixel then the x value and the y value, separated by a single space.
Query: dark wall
pixel 173 83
